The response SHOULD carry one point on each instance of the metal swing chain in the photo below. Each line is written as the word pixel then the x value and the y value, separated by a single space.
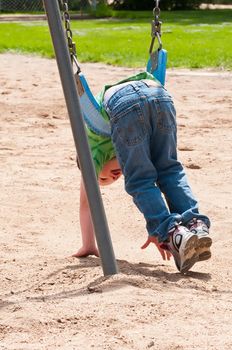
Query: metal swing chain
pixel 71 43
pixel 156 28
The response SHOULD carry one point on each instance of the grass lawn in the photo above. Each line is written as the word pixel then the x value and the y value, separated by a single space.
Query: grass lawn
pixel 193 39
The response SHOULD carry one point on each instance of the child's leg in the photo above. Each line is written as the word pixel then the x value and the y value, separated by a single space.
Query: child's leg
pixel 131 135
pixel 172 179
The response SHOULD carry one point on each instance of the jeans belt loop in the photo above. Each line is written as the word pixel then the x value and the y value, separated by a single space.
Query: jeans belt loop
pixel 112 90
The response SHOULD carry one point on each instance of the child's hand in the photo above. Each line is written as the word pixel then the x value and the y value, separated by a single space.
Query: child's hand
pixel 166 255
pixel 84 252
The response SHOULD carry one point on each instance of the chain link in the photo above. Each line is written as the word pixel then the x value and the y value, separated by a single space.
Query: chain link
pixel 156 10
pixel 156 27
pixel 67 25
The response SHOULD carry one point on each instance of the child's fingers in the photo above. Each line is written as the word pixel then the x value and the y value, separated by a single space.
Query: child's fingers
pixel 162 253
pixel 146 244
pixel 166 255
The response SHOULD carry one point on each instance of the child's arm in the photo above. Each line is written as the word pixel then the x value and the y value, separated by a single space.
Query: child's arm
pixel 166 255
pixel 109 174
pixel 87 229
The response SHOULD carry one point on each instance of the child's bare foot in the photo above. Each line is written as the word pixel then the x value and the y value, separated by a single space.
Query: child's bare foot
pixel 83 252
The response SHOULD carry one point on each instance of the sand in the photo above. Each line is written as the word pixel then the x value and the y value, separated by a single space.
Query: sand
pixel 51 301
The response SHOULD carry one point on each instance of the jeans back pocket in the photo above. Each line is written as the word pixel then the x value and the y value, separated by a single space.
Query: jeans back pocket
pixel 166 120
pixel 129 124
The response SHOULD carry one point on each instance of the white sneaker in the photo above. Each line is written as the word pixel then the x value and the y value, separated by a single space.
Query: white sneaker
pixel 199 228
pixel 183 245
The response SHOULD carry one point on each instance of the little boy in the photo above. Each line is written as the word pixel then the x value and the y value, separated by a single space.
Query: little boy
pixel 143 147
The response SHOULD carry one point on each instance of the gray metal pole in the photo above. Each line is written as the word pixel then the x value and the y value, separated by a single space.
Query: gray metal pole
pixel 80 138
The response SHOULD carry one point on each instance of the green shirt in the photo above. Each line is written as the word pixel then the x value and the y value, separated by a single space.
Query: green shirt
pixel 101 147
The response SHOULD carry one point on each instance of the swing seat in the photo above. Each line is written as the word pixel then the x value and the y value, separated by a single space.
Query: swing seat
pixel 91 110
pixel 90 107
pixel 157 64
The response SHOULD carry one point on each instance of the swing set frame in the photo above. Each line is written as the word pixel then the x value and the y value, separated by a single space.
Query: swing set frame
pixel 65 68
pixel 83 108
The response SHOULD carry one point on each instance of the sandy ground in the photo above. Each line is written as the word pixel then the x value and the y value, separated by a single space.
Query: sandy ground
pixel 51 301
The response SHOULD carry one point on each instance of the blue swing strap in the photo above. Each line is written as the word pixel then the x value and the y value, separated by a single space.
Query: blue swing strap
pixel 90 108
pixel 158 59
pixel 156 65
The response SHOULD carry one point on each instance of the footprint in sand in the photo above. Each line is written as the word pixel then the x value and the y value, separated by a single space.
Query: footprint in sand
pixel 186 149
pixel 193 166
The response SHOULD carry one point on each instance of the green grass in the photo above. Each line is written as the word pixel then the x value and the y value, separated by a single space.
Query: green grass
pixel 194 39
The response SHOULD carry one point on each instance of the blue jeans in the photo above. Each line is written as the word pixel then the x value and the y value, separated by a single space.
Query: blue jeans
pixel 143 124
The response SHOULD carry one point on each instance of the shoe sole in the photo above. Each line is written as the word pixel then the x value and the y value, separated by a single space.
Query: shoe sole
pixel 203 250
pixel 190 254
pixel 205 256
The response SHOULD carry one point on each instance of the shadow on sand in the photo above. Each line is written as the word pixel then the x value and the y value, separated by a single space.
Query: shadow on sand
pixel 140 275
